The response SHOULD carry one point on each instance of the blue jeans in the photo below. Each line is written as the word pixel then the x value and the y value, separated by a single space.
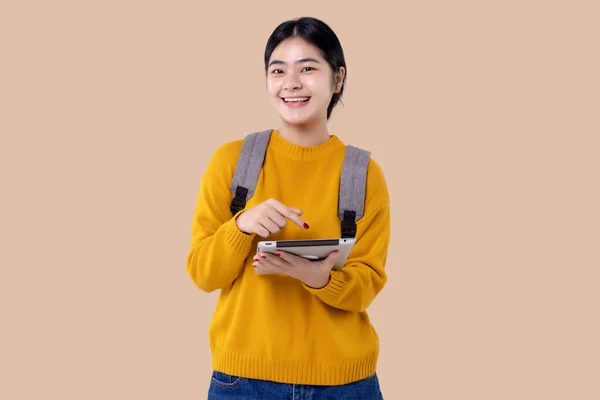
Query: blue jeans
pixel 224 386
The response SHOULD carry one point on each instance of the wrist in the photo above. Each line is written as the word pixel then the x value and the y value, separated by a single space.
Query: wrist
pixel 321 283
pixel 237 223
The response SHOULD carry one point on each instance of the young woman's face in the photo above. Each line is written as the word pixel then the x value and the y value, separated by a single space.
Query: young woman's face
pixel 296 70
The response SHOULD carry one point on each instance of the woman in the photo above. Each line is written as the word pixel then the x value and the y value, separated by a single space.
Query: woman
pixel 300 328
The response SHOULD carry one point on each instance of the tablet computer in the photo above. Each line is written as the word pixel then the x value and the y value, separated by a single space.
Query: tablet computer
pixel 311 249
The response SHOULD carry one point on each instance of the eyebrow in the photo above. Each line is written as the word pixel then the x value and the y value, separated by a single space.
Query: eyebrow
pixel 301 61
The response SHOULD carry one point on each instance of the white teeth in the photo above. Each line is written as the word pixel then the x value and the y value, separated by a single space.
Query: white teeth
pixel 287 100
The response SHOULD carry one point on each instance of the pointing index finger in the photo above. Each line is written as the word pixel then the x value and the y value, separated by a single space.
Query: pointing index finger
pixel 290 213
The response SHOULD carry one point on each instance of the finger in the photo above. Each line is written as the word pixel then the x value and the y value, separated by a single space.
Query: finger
pixel 290 213
pixel 260 266
pixel 267 271
pixel 271 260
pixel 260 256
pixel 330 259
pixel 258 262
pixel 276 218
pixel 290 258
pixel 261 269
pixel 261 231
pixel 269 225
pixel 264 256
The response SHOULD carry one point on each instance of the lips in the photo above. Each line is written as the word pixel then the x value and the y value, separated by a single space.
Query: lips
pixel 297 99
pixel 295 102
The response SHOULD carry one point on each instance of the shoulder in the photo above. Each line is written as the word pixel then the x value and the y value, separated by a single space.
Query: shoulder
pixel 228 150
pixel 224 157
pixel 375 174
pixel 376 188
pixel 222 162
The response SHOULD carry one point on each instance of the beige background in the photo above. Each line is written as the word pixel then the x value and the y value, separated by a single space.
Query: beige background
pixel 484 116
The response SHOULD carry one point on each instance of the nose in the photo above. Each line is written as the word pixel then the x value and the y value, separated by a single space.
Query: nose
pixel 292 82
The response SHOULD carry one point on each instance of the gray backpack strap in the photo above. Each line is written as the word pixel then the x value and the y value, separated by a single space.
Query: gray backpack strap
pixel 248 168
pixel 353 183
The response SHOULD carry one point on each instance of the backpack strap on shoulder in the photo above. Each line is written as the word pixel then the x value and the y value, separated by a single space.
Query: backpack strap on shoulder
pixel 353 185
pixel 248 168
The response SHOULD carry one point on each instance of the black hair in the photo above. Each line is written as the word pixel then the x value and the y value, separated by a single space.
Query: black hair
pixel 319 34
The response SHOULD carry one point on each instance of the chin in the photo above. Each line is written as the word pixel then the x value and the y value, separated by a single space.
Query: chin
pixel 296 119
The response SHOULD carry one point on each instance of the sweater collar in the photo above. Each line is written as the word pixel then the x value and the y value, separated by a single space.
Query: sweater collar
pixel 298 152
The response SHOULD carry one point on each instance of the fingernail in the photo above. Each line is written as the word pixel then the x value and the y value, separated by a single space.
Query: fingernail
pixel 278 254
pixel 306 226
pixel 263 256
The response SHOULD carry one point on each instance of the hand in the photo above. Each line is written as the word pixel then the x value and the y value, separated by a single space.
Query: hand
pixel 268 217
pixel 314 273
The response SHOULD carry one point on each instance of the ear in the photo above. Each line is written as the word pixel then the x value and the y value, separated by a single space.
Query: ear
pixel 339 79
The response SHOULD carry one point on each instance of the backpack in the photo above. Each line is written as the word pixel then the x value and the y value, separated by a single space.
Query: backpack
pixel 352 184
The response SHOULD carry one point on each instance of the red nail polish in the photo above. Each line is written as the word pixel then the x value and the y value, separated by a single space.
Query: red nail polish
pixel 278 254
pixel 306 226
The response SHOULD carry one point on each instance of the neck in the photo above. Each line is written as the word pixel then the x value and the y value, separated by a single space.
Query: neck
pixel 310 134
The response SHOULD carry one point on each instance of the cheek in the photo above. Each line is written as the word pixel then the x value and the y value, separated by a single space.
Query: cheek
pixel 273 94
pixel 319 87
pixel 273 87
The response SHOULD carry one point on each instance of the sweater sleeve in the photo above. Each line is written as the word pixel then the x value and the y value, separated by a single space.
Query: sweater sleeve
pixel 355 286
pixel 218 249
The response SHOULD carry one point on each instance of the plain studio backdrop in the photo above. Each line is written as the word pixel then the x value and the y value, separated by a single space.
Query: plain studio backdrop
pixel 484 116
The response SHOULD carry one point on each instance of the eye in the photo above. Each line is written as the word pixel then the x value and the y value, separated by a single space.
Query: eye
pixel 309 67
pixel 275 71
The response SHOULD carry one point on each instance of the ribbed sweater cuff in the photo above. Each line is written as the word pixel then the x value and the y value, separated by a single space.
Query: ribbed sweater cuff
pixel 329 293
pixel 238 240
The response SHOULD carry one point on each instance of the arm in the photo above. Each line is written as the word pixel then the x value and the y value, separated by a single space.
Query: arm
pixel 355 286
pixel 218 249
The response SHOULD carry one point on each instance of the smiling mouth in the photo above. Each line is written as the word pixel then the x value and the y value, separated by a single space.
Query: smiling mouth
pixel 295 99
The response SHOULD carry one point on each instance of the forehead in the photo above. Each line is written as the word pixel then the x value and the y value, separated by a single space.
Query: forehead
pixel 295 48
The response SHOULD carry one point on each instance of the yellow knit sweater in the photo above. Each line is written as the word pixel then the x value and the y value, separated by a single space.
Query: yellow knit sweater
pixel 274 327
